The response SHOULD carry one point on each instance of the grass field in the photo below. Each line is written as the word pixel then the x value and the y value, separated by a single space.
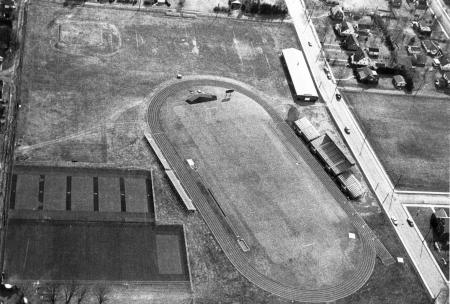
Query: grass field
pixel 94 251
pixel 409 136
pixel 421 217
pixel 270 194
pixel 76 95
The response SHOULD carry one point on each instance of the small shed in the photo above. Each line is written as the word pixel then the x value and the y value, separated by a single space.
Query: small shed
pixel 445 62
pixel 305 129
pixel 418 60
pixel 198 98
pixel 336 13
pixel 330 154
pixel 350 184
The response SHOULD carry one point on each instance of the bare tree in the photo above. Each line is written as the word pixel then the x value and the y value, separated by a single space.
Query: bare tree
pixel 81 294
pixel 101 292
pixel 52 293
pixel 69 291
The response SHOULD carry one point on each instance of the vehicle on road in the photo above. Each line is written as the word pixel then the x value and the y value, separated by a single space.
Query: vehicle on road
pixel 410 222
pixel 338 96
pixel 347 130
pixel 309 43
pixel 394 221
pixel 327 71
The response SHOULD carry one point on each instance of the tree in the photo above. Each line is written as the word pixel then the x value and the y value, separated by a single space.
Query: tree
pixel 69 291
pixel 101 292
pixel 81 294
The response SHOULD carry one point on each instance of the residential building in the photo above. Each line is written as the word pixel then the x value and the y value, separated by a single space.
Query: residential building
pixel 367 75
pixel 351 43
pixel 412 49
pixel 360 58
pixel 445 62
pixel 431 47
pixel 345 28
pixel 418 60
pixel 374 52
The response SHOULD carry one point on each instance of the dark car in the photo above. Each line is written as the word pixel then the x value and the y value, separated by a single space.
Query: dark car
pixel 338 96
pixel 410 222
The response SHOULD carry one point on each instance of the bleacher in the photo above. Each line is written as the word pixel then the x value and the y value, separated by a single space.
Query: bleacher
pixel 330 154
pixel 171 174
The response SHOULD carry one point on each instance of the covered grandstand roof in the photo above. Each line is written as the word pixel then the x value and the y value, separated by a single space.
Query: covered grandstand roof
pixel 306 129
pixel 331 154
pixel 351 184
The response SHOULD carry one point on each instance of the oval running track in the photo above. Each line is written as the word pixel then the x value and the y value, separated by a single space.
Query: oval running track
pixel 226 240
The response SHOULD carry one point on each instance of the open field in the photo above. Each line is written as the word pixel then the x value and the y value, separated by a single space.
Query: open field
pixel 269 193
pixel 409 136
pixel 421 217
pixel 72 105
pixel 95 251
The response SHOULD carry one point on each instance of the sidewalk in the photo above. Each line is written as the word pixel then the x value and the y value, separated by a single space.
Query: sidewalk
pixel 362 151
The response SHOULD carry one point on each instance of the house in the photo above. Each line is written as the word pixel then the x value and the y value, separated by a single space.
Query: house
pixel 365 25
pixel 412 49
pixel 398 81
pixel 418 60
pixel 422 29
pixel 345 28
pixel 431 47
pixel 374 52
pixel 336 13
pixel 446 78
pixel 360 58
pixel 351 43
pixel 445 62
pixel 367 75
pixel 396 3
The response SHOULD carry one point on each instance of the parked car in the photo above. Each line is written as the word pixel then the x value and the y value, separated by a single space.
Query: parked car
pixel 338 96
pixel 394 221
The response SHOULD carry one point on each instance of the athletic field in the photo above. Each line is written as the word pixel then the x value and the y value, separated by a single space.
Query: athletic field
pixel 296 230
pixel 106 251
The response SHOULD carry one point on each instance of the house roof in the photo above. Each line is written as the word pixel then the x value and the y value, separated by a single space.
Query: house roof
pixel 351 40
pixel 359 54
pixel 345 25
pixel 305 127
pixel 365 72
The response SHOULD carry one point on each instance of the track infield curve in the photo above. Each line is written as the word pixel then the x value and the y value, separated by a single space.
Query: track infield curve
pixel 216 223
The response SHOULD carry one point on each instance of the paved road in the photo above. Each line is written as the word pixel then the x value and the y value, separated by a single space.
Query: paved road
pixel 362 151
pixel 439 9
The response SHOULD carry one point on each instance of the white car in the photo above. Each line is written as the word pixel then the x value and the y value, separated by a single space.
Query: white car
pixel 394 221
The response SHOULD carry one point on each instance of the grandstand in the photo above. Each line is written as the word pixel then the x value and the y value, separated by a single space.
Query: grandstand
pixel 171 174
pixel 330 154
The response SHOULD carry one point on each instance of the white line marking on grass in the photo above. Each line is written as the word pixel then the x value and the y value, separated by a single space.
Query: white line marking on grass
pixel 26 256
pixel 235 42
pixel 267 60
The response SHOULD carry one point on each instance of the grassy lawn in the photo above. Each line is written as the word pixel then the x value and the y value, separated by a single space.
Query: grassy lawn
pixel 94 251
pixel 409 135
pixel 74 83
pixel 421 217
pixel 266 188
pixel 397 283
